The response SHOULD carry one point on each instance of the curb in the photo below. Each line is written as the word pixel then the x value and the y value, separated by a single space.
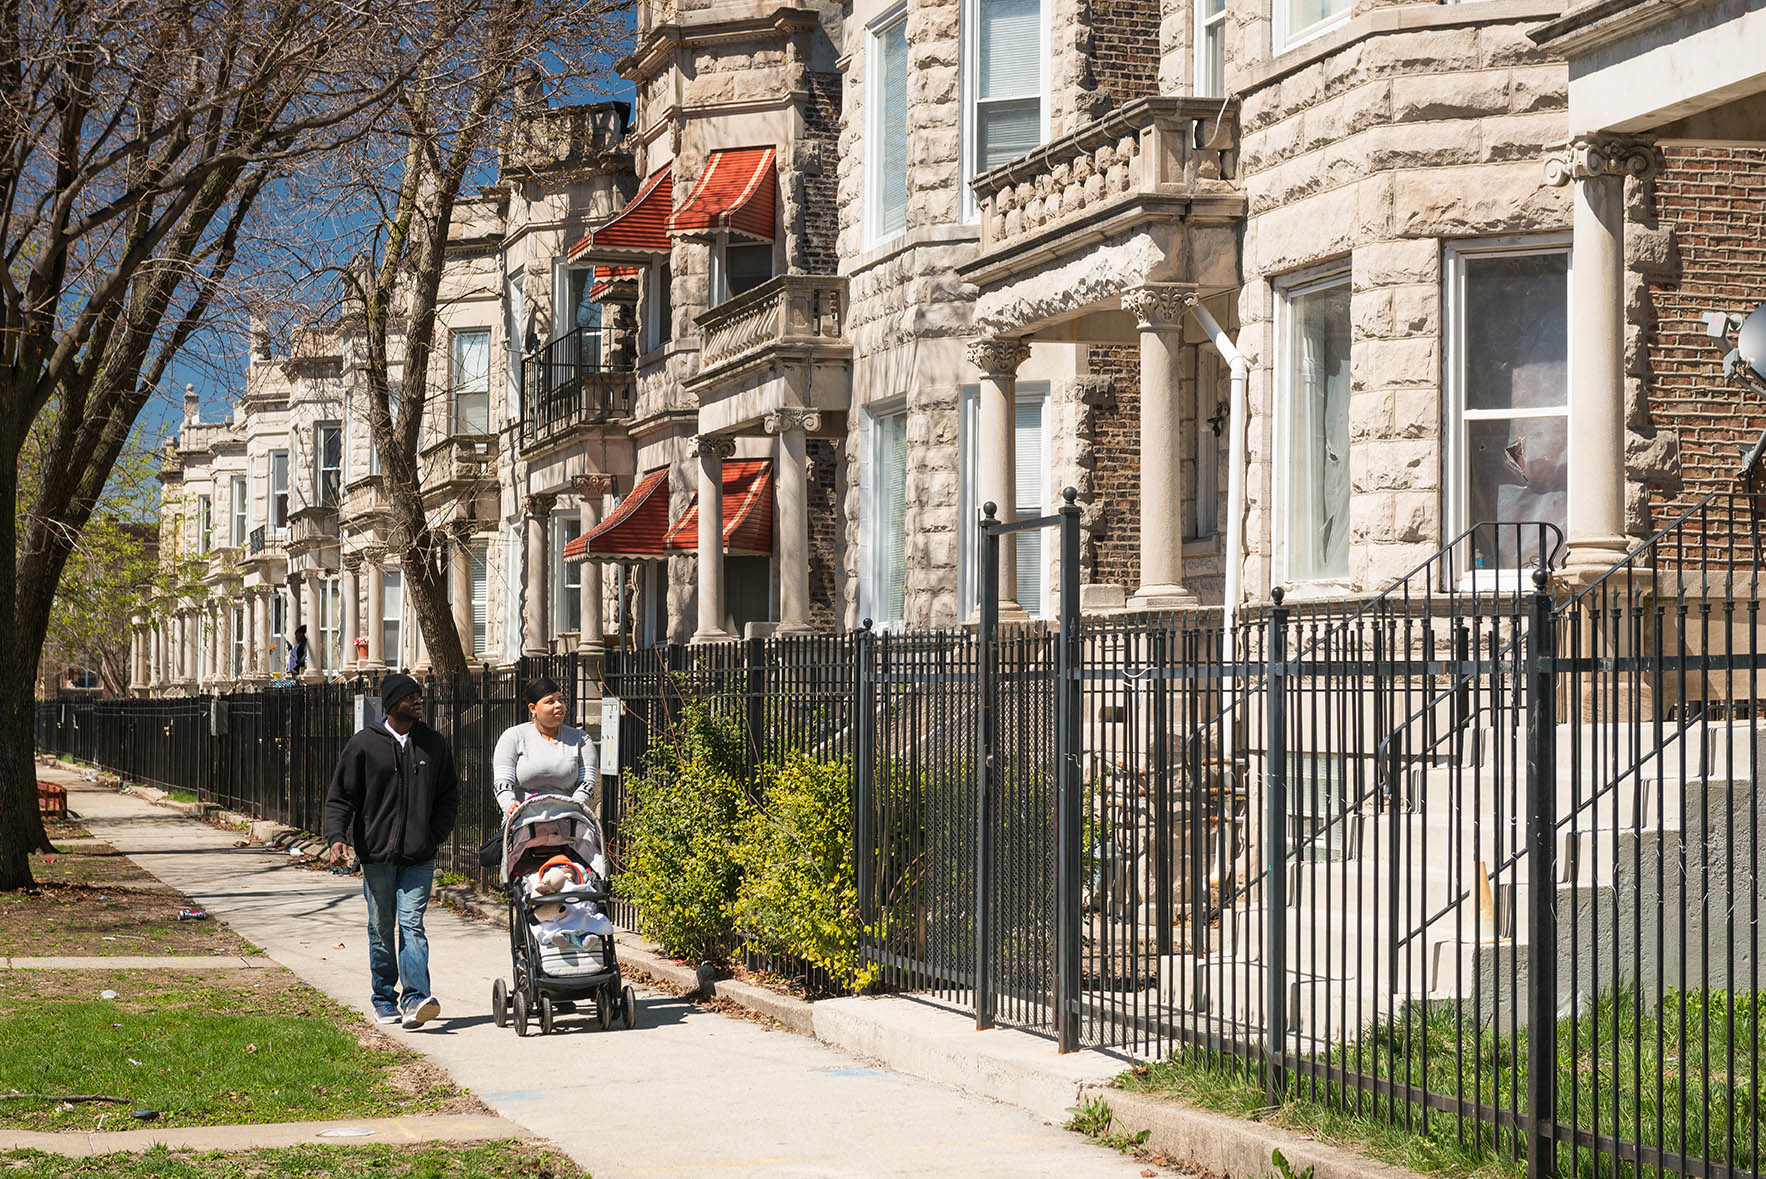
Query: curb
pixel 1233 1146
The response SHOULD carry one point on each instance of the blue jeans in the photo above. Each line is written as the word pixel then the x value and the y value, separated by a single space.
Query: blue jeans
pixel 397 899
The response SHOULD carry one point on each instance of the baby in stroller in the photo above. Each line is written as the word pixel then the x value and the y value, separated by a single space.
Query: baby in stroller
pixel 561 943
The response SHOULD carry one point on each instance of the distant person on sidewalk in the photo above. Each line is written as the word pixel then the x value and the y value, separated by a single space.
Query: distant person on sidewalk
pixel 545 755
pixel 394 796
pixel 297 652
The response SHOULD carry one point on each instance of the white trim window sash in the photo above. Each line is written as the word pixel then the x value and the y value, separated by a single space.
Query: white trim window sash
pixel 472 382
pixel 887 509
pixel 241 511
pixel 480 572
pixel 1006 116
pixel 1210 48
pixel 567 577
pixel 1509 370
pixel 392 613
pixel 1315 368
pixel 888 97
pixel 1301 20
pixel 1029 413
pixel 278 489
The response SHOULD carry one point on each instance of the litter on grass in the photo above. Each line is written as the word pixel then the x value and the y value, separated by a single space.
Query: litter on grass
pixel 107 994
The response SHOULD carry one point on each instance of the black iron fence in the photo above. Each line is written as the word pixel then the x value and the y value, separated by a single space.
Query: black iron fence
pixel 1478 856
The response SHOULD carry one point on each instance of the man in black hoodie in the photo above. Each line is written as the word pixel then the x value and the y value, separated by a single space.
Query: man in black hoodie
pixel 394 796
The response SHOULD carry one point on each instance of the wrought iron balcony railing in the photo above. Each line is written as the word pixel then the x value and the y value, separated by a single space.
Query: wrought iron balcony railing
pixel 570 382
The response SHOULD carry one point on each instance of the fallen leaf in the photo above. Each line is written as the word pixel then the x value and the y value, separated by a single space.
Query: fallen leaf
pixel 1149 1173
pixel 338 946
pixel 251 1048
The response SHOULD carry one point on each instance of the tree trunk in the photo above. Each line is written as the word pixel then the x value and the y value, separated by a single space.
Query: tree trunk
pixel 21 824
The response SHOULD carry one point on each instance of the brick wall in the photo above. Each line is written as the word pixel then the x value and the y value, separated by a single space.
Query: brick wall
pixel 821 182
pixel 1711 203
pixel 824 536
pixel 1125 39
pixel 1115 539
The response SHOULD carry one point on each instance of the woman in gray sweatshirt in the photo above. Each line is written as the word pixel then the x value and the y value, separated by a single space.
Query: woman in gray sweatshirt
pixel 545 755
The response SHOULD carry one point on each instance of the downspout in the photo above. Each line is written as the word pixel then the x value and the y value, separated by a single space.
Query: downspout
pixel 1233 592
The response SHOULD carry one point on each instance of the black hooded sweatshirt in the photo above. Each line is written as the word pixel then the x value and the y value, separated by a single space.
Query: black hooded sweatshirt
pixel 393 804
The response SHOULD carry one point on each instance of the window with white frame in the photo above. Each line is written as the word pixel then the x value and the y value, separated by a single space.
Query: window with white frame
pixel 479 556
pixel 472 382
pixel 278 489
pixel 571 306
pixel 886 513
pixel 328 464
pixel 330 655
pixel 1314 373
pixel 1211 414
pixel 205 524
pixel 1210 48
pixel 1004 55
pixel 1508 371
pixel 392 613
pixel 567 577
pixel 1301 20
pixel 241 511
pixel 278 629
pixel 236 657
pixel 887 189
pixel 515 329
pixel 1029 406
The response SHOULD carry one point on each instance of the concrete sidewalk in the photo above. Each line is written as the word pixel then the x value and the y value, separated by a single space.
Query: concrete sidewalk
pixel 269 1135
pixel 690 1092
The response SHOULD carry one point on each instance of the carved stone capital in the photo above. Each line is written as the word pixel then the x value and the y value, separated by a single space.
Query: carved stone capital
pixel 1158 305
pixel 537 506
pixel 998 356
pixel 371 555
pixel 591 486
pixel 1591 157
pixel 781 420
pixel 713 446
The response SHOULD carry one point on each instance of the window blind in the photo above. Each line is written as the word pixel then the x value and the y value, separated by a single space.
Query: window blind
pixel 1032 472
pixel 481 572
pixel 892 169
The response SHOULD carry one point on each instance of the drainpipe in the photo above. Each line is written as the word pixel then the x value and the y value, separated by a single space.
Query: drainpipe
pixel 1235 501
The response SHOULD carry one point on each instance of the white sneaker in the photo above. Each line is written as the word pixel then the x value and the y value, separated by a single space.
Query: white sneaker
pixel 419 1014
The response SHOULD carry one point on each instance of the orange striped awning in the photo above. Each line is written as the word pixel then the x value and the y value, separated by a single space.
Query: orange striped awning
pixel 609 277
pixel 636 528
pixel 737 193
pixel 639 229
pixel 748 512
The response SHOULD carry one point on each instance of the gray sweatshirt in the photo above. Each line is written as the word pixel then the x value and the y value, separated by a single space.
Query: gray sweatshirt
pixel 525 764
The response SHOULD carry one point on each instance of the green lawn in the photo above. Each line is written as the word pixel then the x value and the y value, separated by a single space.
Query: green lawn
pixel 491 1160
pixel 201 1048
pixel 1679 1086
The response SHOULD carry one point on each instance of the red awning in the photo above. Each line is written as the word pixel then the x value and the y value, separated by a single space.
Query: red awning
pixel 609 277
pixel 637 229
pixel 736 193
pixel 636 528
pixel 748 512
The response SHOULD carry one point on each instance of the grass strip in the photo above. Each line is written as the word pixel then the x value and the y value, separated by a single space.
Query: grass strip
pixel 489 1160
pixel 200 1050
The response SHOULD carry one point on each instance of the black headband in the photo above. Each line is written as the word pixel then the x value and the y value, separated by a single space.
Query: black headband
pixel 541 687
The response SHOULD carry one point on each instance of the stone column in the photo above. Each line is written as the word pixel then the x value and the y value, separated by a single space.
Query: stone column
pixel 536 622
pixel 376 628
pixel 297 584
pixel 156 655
pixel 996 466
pixel 261 665
pixel 1158 309
pixel 309 589
pixel 348 590
pixel 187 645
pixel 792 517
pixel 1597 167
pixel 216 620
pixel 712 450
pixel 591 492
pixel 137 655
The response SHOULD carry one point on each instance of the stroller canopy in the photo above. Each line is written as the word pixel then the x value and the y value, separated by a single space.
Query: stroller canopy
pixel 549 823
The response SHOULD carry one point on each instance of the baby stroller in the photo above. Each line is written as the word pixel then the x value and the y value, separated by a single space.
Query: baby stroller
pixel 560 941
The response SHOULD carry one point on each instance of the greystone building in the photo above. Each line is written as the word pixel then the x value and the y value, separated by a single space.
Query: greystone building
pixel 1284 290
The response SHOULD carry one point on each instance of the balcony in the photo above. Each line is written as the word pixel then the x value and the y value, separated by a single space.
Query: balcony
pixel 313 539
pixel 1069 215
pixel 364 498
pixel 789 331
pixel 222 564
pixel 572 387
pixel 459 460
pixel 264 554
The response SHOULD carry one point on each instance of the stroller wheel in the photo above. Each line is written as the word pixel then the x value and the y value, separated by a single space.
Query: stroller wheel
pixel 500 1003
pixel 521 1013
pixel 545 1015
pixel 629 1006
pixel 604 1008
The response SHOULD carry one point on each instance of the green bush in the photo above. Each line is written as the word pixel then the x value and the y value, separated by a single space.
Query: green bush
pixel 798 895
pixel 688 811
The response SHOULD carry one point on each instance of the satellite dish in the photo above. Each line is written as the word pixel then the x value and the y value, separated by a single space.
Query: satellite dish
pixel 1750 342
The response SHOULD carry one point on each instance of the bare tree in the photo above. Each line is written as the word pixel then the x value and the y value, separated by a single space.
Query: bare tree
pixel 395 199
pixel 135 139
